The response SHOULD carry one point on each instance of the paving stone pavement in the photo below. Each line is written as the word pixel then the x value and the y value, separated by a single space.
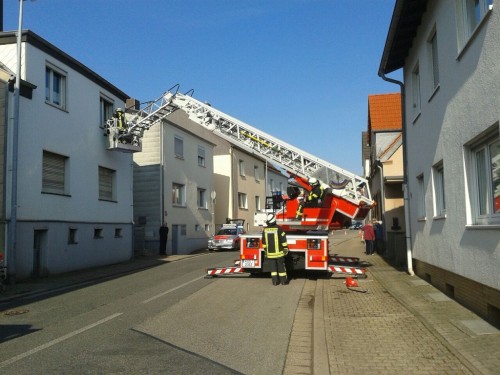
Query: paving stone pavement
pixel 394 323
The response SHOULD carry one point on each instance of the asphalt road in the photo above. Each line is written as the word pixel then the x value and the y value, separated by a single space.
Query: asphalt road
pixel 167 319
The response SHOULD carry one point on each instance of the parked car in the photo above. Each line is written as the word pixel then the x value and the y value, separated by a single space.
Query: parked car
pixel 356 225
pixel 227 238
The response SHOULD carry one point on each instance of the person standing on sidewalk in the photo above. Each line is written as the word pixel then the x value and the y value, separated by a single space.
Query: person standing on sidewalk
pixel 369 237
pixel 163 239
pixel 276 247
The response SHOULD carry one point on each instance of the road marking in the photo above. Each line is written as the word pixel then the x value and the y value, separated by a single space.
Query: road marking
pixel 56 341
pixel 172 290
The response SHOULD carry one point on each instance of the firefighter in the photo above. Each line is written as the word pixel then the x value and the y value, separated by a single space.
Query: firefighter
pixel 313 198
pixel 276 248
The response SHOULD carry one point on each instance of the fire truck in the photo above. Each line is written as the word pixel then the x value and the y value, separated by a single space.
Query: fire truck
pixel 346 196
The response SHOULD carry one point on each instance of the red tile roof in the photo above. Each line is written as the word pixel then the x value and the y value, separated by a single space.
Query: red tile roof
pixel 384 112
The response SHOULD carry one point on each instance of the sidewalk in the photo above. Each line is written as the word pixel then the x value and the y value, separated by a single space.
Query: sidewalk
pixel 395 323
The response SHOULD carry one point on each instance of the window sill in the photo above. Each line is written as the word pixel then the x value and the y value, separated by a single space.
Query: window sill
pixel 482 226
pixel 422 219
pixel 434 92
pixel 107 200
pixel 54 193
pixel 439 217
pixel 417 116
pixel 178 205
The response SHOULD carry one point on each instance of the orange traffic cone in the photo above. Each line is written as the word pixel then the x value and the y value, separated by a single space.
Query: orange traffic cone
pixel 351 283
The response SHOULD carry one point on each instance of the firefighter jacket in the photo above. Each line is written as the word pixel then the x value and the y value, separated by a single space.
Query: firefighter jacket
pixel 274 242
pixel 315 194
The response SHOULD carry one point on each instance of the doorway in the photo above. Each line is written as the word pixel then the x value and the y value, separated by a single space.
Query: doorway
pixel 39 248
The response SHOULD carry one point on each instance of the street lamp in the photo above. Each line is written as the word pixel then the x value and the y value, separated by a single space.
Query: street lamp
pixel 12 228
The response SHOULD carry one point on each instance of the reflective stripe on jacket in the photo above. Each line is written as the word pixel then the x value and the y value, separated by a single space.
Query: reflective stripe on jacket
pixel 274 242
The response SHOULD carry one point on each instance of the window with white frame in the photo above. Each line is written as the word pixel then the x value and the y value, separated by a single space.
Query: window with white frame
pixel 242 168
pixel 420 197
pixel 105 110
pixel 202 198
pixel 415 85
pixel 434 62
pixel 470 13
pixel 178 194
pixel 201 156
pixel 242 201
pixel 54 173
pixel 178 147
pixel 106 184
pixel 55 86
pixel 484 178
pixel 257 203
pixel 438 190
pixel 256 172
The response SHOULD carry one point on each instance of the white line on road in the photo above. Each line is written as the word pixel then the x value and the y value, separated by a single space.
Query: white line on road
pixel 172 290
pixel 56 341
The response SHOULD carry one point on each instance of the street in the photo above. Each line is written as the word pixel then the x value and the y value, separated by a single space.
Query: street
pixel 166 319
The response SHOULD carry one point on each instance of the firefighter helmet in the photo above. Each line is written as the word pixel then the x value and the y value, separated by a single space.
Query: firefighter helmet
pixel 313 181
pixel 271 219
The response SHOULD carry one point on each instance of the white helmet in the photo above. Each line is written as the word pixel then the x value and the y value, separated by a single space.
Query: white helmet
pixel 313 181
pixel 271 219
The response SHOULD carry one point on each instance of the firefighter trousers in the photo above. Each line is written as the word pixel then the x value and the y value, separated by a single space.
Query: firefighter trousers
pixel 278 270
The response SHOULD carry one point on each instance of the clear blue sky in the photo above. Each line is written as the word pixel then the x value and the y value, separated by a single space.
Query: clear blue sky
pixel 300 70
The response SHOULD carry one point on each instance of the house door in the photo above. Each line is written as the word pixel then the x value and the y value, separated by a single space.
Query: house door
pixel 175 239
pixel 39 246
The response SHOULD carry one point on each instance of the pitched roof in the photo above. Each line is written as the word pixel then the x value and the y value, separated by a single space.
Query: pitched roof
pixel 384 112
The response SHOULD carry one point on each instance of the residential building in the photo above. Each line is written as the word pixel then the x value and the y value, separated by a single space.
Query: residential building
pixel 450 55
pixel 385 171
pixel 73 196
pixel 173 184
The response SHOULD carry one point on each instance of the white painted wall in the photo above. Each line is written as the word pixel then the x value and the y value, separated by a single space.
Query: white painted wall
pixel 466 104
pixel 76 134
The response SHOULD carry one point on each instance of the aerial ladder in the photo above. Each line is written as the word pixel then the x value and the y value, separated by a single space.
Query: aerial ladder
pixel 347 196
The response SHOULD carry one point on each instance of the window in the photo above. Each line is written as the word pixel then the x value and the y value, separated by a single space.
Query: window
pixel 438 190
pixel 415 84
pixel 179 147
pixel 98 233
pixel 201 156
pixel 257 203
pixel 72 236
pixel 118 232
pixel 484 178
pixel 433 50
pixel 256 172
pixel 54 173
pixel 178 194
pixel 420 197
pixel 470 13
pixel 106 184
pixel 242 201
pixel 202 198
pixel 197 227
pixel 55 87
pixel 105 110
pixel 242 168
pixel 207 227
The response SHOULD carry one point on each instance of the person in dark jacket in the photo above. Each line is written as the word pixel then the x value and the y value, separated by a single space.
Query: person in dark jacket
pixel 313 199
pixel 163 239
pixel 276 247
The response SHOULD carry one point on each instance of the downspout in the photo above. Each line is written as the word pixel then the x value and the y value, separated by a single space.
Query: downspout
pixel 382 190
pixel 409 257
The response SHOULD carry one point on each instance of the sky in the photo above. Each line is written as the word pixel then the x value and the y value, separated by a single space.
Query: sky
pixel 299 70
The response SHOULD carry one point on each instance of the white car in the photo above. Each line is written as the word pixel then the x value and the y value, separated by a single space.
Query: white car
pixel 227 238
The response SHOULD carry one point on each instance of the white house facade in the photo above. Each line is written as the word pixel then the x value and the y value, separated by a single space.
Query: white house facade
pixel 450 53
pixel 73 196
pixel 173 184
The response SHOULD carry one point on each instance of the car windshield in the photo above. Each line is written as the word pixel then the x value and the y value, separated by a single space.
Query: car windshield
pixel 227 232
